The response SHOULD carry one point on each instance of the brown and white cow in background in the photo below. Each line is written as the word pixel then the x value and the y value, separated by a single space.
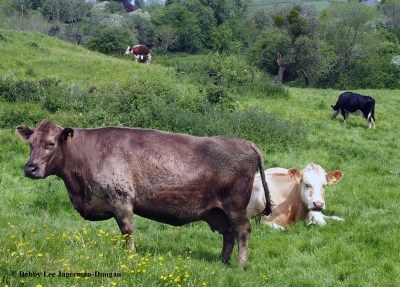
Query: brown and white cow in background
pixel 141 53
pixel 296 195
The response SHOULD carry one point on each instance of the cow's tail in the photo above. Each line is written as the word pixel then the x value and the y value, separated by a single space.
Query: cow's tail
pixel 268 202
pixel 371 115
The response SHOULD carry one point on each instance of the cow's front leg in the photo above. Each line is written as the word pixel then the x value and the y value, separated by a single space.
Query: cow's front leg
pixel 275 226
pixel 315 217
pixel 123 214
pixel 346 117
pixel 333 217
pixel 227 247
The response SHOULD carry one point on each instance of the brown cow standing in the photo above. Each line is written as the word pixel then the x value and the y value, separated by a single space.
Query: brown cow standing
pixel 141 53
pixel 171 178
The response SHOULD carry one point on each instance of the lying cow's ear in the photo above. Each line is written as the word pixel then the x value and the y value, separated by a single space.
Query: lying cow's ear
pixel 294 173
pixel 334 176
pixel 24 132
pixel 67 134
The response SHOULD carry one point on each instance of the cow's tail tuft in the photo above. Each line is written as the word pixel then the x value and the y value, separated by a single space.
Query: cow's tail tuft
pixel 268 202
pixel 372 111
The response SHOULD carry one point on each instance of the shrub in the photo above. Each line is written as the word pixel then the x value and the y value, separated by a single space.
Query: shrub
pixel 12 115
pixel 110 41
pixel 21 90
pixel 229 70
pixel 147 104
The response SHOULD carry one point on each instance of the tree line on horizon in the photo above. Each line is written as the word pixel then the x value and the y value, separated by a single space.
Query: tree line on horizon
pixel 347 45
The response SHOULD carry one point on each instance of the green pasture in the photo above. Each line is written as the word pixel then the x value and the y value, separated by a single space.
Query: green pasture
pixel 42 234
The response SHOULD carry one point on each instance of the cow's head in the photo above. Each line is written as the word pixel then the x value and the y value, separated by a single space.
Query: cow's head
pixel 313 182
pixel 46 143
pixel 128 50
pixel 335 111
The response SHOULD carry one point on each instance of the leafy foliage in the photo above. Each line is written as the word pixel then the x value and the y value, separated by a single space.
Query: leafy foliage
pixel 322 44
pixel 109 40
pixel 185 25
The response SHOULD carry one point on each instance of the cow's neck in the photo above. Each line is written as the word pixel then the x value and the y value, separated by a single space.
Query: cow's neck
pixel 73 172
pixel 298 209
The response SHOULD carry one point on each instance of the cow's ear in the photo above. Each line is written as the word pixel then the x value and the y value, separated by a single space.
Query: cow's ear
pixel 294 173
pixel 334 176
pixel 67 134
pixel 24 132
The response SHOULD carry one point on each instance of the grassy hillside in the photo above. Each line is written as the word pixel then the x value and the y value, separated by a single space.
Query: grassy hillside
pixel 34 56
pixel 41 232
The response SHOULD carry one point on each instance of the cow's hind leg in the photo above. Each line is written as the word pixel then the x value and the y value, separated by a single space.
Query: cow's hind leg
pixel 242 232
pixel 218 221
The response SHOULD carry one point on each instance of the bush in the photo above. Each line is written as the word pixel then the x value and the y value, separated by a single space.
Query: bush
pixel 110 41
pixel 12 115
pixel 147 104
pixel 229 70
pixel 21 90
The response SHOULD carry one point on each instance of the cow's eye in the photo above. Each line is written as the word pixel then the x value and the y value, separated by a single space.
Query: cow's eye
pixel 50 145
pixel 308 185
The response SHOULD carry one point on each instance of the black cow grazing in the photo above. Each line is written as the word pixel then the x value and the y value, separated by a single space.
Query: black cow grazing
pixel 354 103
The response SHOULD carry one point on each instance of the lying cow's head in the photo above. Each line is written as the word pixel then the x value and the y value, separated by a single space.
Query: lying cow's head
pixel 46 142
pixel 128 50
pixel 313 180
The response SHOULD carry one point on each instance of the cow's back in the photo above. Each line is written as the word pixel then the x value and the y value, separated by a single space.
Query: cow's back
pixel 175 178
pixel 352 102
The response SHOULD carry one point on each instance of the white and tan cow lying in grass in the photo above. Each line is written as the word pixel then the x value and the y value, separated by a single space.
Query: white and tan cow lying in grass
pixel 296 195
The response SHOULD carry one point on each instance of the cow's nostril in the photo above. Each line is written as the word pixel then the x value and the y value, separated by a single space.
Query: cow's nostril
pixel 31 168
pixel 318 204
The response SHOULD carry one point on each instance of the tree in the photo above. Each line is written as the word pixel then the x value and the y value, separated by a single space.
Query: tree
pixel 312 58
pixel 257 21
pixel 222 38
pixel 140 24
pixel 294 22
pixel 263 52
pixel 206 20
pixel 297 26
pixel 166 38
pixel 391 10
pixel 282 67
pixel 345 27
pixel 66 11
pixel 184 23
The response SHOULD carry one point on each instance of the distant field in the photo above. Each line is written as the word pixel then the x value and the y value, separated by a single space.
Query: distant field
pixel 41 232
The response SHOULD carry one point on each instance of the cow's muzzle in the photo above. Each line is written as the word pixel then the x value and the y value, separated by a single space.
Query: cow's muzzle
pixel 317 206
pixel 31 170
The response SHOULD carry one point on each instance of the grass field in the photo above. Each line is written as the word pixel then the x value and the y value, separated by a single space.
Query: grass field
pixel 42 234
